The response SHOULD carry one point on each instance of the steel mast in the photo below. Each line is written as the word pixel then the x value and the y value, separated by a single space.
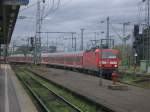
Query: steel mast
pixel 37 39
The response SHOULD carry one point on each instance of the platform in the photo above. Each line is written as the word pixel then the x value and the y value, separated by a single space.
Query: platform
pixel 132 100
pixel 13 97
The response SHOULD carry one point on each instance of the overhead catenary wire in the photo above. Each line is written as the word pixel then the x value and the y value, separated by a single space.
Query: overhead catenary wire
pixel 59 5
pixel 114 30
pixel 141 13
pixel 52 9
pixel 28 7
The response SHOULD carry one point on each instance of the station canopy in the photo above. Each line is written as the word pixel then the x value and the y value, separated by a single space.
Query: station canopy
pixel 8 15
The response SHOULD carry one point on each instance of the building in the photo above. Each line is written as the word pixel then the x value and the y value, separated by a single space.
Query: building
pixel 141 44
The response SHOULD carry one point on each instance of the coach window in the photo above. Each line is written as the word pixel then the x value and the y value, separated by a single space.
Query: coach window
pixel 78 59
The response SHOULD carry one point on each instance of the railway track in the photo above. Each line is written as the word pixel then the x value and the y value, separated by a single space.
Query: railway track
pixel 50 97
pixel 142 81
pixel 46 98
pixel 71 101
pixel 85 72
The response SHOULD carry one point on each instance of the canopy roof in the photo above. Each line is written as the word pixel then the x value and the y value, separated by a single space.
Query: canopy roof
pixel 8 15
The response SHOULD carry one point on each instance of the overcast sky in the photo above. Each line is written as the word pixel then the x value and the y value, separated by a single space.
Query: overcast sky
pixel 72 15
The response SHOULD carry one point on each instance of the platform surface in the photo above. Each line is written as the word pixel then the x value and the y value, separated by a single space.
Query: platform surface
pixel 13 97
pixel 132 100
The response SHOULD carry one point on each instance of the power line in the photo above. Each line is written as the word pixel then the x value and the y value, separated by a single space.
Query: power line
pixel 114 30
pixel 28 7
pixel 52 9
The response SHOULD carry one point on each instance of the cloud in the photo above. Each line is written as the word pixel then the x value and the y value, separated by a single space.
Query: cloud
pixel 75 14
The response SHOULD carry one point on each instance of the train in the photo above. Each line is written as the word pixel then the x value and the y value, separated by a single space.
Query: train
pixel 1 58
pixel 106 60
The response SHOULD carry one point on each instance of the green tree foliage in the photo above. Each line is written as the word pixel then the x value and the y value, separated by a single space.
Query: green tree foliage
pixel 126 54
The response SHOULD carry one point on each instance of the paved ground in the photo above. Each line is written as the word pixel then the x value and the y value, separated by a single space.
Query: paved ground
pixel 2 91
pixel 12 94
pixel 133 100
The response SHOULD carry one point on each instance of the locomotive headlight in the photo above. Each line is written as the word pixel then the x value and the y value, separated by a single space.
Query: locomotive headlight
pixel 103 62
pixel 116 66
pixel 113 62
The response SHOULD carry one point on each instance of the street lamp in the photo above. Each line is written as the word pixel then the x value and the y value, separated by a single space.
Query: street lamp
pixel 135 55
pixel 135 63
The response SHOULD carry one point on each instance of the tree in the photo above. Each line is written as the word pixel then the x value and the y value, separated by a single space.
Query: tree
pixel 126 54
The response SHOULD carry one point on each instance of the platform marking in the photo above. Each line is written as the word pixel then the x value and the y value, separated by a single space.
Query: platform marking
pixel 6 91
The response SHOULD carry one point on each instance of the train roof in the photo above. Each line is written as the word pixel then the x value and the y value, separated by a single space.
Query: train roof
pixel 18 55
pixel 111 50
pixel 103 50
pixel 63 53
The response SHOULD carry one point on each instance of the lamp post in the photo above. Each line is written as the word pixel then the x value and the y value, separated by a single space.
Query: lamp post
pixel 100 68
pixel 135 55
pixel 82 38
pixel 135 63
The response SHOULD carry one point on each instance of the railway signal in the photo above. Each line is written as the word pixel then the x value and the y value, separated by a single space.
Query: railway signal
pixel 32 41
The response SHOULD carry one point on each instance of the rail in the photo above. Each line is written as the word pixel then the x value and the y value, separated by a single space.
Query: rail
pixel 41 102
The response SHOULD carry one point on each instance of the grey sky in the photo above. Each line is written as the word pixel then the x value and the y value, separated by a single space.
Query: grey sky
pixel 75 14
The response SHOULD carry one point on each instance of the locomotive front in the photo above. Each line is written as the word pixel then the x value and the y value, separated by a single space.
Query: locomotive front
pixel 107 59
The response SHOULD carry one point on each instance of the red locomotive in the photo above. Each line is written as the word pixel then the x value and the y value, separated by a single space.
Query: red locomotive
pixel 93 60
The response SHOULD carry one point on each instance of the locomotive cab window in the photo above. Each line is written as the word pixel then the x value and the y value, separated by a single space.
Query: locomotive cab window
pixel 110 55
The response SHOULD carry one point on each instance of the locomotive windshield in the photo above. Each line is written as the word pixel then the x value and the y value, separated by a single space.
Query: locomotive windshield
pixel 109 55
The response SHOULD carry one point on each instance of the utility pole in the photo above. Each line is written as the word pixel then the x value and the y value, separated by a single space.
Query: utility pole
pixel 28 45
pixel 47 43
pixel 72 39
pixel 124 54
pixel 38 29
pixel 82 33
pixel 75 47
pixel 124 43
pixel 107 34
pixel 100 68
pixel 148 23
pixel 13 45
pixel 95 34
pixel 74 42
pixel 37 39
